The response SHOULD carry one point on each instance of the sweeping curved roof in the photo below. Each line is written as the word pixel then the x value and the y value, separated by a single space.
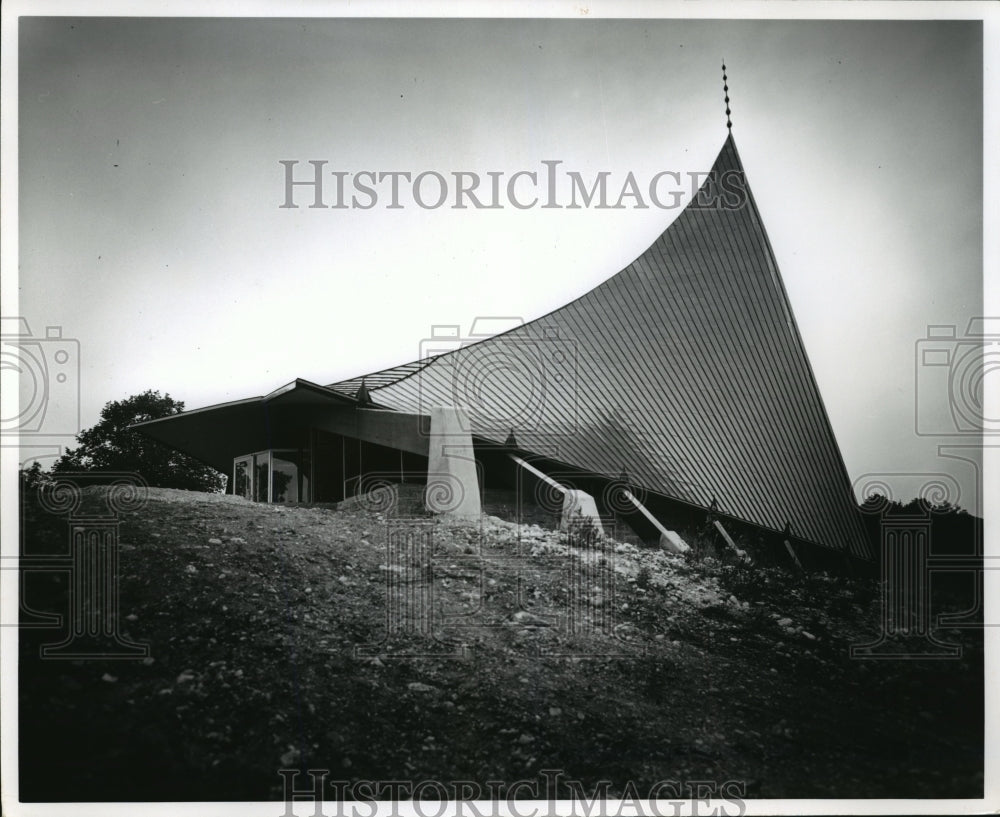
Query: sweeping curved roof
pixel 686 368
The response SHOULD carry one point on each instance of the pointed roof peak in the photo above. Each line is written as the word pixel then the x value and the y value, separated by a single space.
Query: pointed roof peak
pixel 725 92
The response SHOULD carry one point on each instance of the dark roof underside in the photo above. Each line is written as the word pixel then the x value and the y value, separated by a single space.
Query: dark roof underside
pixel 686 368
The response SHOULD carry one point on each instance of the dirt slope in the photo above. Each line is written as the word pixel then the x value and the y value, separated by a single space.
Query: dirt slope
pixel 269 631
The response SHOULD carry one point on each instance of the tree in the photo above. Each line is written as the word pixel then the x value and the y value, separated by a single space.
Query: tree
pixel 33 477
pixel 112 446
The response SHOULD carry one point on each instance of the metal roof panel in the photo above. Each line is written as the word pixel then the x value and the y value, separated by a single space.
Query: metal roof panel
pixel 686 368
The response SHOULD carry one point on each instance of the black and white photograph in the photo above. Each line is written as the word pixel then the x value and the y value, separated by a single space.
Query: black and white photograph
pixel 430 409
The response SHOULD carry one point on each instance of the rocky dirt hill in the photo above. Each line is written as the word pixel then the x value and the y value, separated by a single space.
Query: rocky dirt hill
pixel 295 637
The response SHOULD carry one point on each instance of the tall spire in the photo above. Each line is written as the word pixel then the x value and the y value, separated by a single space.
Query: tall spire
pixel 725 90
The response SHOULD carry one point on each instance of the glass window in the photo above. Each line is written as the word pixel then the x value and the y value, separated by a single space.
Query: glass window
pixel 261 468
pixel 284 477
pixel 273 476
pixel 305 471
pixel 241 478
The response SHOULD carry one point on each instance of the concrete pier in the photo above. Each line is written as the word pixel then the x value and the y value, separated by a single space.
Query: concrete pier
pixel 579 506
pixel 452 479
pixel 669 540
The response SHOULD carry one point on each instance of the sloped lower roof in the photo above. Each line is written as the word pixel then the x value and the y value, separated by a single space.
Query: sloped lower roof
pixel 376 380
pixel 686 368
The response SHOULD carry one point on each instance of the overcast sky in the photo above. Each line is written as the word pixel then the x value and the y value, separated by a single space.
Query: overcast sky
pixel 150 191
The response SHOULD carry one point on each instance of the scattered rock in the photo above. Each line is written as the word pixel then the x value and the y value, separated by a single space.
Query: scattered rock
pixel 529 619
pixel 270 626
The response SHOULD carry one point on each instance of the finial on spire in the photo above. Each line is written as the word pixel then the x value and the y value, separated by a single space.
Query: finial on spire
pixel 725 90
